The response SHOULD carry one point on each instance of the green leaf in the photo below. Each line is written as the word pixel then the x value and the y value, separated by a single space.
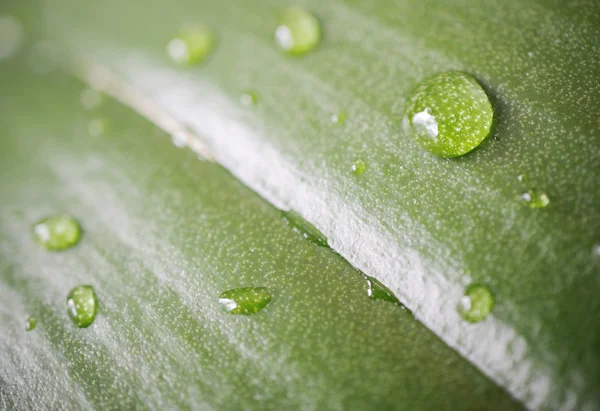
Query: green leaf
pixel 165 235
pixel 425 227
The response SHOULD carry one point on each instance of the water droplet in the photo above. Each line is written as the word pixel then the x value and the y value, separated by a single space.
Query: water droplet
pixel 476 304
pixel 304 228
pixel 191 46
pixel 249 98
pixel 449 114
pixel 30 324
pixel 339 118
pixel 11 36
pixel 97 127
pixel 535 199
pixel 298 32
pixel 359 166
pixel 56 233
pixel 245 301
pixel 522 178
pixel 90 98
pixel 596 250
pixel 82 305
pixel 378 291
pixel 179 139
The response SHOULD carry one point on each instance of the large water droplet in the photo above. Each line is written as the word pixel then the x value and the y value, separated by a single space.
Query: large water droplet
pixel 30 324
pixel 449 114
pixel 535 199
pixel 304 228
pixel 191 46
pixel 245 301
pixel 476 304
pixel 359 166
pixel 82 305
pixel 56 233
pixel 298 32
pixel 11 36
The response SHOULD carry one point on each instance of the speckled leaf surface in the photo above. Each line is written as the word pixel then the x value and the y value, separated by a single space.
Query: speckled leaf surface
pixel 425 227
pixel 164 234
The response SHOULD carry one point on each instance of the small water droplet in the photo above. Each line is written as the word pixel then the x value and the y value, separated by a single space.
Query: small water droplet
pixel 90 98
pixel 522 178
pixel 82 305
pixel 56 233
pixel 596 250
pixel 339 118
pixel 359 166
pixel 97 127
pixel 298 32
pixel 30 324
pixel 378 291
pixel 530 54
pixel 179 139
pixel 304 228
pixel 535 199
pixel 11 36
pixel 245 301
pixel 476 304
pixel 249 98
pixel 191 46
pixel 449 114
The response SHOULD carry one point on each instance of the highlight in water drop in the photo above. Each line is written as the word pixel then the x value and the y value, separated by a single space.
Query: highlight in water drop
pixel 449 114
pixel 56 233
pixel 298 31
pixel 245 301
pixel 359 166
pixel 249 98
pixel 476 304
pixel 82 305
pixel 535 199
pixel 30 324
pixel 11 36
pixel 304 228
pixel 192 45
pixel 339 118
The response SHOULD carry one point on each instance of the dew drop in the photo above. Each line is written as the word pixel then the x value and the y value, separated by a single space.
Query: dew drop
pixel 378 291
pixel 449 114
pixel 298 31
pixel 82 305
pixel 535 199
pixel 97 127
pixel 339 118
pixel 90 98
pixel 249 98
pixel 30 324
pixel 56 233
pixel 359 166
pixel 304 228
pixel 11 36
pixel 476 304
pixel 245 301
pixel 179 139
pixel 191 46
